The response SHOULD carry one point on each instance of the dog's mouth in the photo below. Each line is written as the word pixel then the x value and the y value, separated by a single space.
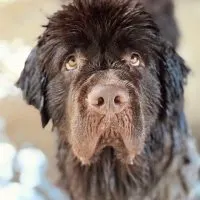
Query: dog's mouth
pixel 122 150
pixel 94 133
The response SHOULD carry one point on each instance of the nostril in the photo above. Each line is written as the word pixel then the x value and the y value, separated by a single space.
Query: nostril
pixel 100 101
pixel 117 100
pixel 186 160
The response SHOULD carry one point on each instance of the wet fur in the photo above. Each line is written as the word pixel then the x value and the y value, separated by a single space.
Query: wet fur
pixel 159 90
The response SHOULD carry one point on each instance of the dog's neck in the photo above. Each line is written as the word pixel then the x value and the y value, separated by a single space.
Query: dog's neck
pixel 109 178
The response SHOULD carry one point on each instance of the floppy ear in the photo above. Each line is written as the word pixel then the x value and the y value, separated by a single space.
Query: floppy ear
pixel 33 81
pixel 173 74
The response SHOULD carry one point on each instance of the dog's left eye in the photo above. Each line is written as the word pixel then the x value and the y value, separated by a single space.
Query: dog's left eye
pixel 71 63
pixel 135 59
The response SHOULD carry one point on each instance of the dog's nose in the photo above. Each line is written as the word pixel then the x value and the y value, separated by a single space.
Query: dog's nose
pixel 108 99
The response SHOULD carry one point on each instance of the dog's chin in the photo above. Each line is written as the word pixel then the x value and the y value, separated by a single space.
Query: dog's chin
pixel 113 152
pixel 111 145
pixel 115 143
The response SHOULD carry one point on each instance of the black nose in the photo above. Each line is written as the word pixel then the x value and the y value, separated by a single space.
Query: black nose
pixel 108 99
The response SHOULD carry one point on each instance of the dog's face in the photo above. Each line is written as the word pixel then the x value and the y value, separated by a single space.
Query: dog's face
pixel 99 73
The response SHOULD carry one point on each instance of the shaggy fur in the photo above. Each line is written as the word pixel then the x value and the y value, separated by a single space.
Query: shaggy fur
pixel 123 157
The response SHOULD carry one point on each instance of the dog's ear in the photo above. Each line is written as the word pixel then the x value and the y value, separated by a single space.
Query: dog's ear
pixel 173 74
pixel 32 82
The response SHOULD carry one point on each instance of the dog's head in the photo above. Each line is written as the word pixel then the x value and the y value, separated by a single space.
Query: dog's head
pixel 104 75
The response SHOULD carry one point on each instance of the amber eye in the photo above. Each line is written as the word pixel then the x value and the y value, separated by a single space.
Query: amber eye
pixel 71 63
pixel 135 60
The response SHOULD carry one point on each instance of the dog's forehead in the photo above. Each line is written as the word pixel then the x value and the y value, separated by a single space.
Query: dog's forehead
pixel 101 25
pixel 103 52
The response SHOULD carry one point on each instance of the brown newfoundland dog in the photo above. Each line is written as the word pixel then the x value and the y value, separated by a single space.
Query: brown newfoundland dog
pixel 112 84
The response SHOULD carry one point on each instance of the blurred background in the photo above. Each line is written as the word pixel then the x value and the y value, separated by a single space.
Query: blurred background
pixel 20 25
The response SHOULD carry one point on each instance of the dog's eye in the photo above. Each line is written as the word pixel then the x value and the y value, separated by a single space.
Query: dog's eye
pixel 135 59
pixel 71 63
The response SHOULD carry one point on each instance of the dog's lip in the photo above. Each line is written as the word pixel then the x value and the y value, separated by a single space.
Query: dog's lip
pixel 85 149
pixel 128 155
pixel 127 159
pixel 88 150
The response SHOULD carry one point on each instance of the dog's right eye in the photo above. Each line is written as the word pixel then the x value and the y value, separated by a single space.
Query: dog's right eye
pixel 135 59
pixel 71 63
